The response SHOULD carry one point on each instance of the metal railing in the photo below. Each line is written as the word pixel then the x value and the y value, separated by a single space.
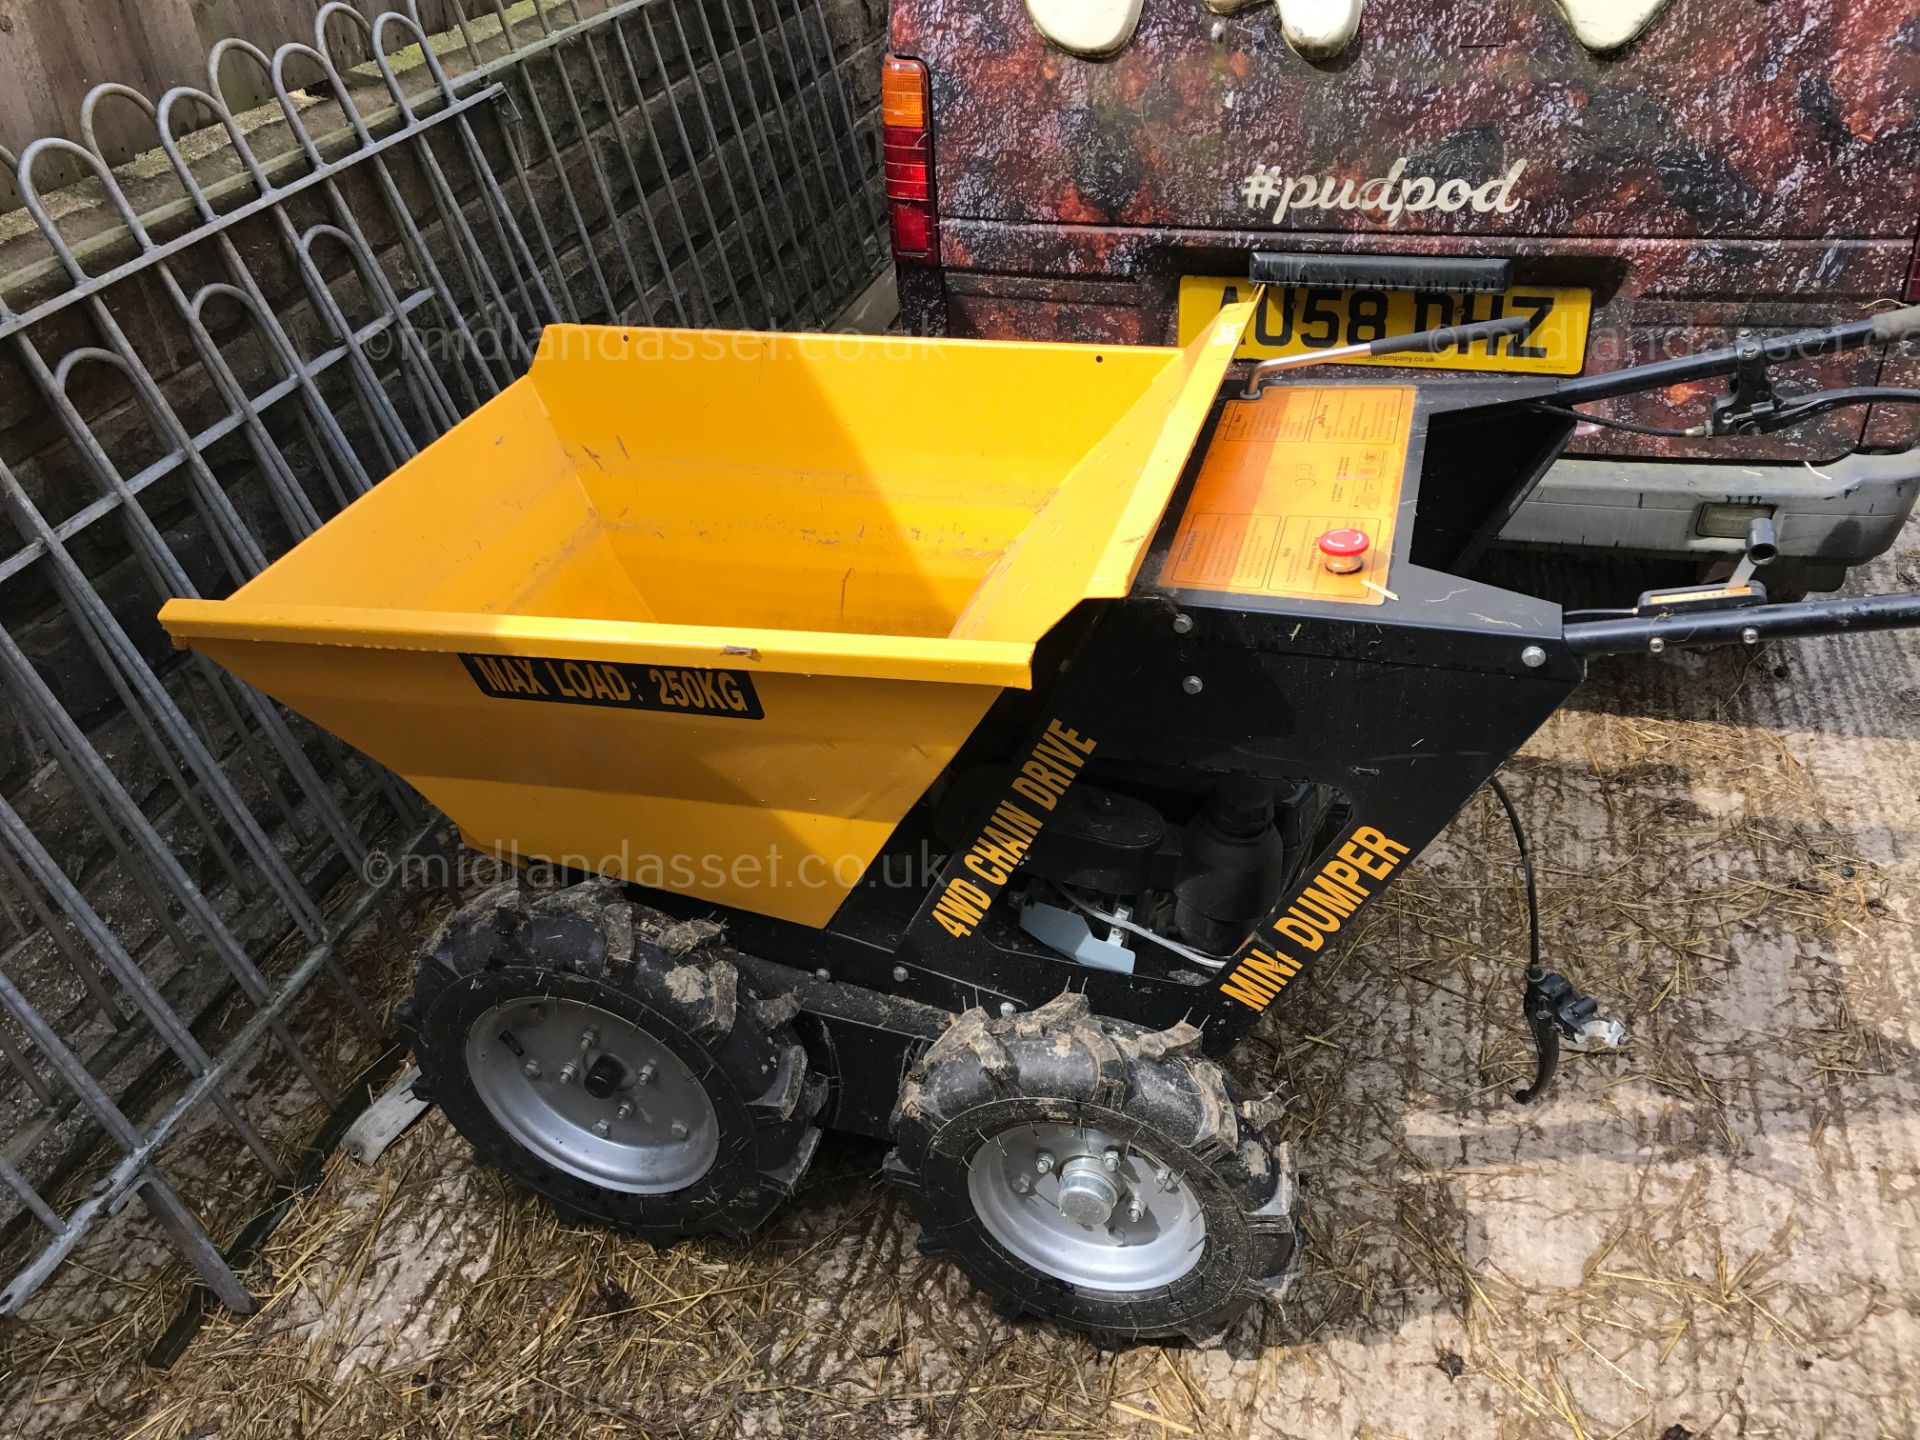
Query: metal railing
pixel 207 358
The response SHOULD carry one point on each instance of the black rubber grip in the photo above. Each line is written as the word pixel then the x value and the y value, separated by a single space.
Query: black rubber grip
pixel 1428 341
pixel 1896 325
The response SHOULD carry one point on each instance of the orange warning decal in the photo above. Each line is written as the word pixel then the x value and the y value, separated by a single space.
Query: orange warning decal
pixel 1281 472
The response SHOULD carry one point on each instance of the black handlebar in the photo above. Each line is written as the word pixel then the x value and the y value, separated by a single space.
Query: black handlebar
pixel 1886 329
pixel 1845 616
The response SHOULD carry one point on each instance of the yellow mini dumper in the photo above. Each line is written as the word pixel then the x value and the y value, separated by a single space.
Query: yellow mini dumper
pixel 967 741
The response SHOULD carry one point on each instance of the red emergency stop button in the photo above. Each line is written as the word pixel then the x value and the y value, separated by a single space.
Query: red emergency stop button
pixel 1344 551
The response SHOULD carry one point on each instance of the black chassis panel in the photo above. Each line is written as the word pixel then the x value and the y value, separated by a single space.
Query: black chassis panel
pixel 1404 709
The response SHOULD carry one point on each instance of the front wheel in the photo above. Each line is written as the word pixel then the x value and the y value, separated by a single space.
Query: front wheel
pixel 1096 1173
pixel 612 1061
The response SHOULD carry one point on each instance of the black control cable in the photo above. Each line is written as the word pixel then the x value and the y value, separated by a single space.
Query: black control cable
pixel 1535 970
pixel 1805 407
pixel 1794 411
pixel 1607 422
pixel 1554 1010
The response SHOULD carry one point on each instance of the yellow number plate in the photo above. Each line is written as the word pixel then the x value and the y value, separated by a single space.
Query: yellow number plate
pixel 1299 321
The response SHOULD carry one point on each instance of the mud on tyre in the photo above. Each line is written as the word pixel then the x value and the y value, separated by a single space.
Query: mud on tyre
pixel 1097 1173
pixel 613 1061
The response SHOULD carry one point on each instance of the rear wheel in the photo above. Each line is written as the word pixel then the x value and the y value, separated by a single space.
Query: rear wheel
pixel 611 1060
pixel 1096 1173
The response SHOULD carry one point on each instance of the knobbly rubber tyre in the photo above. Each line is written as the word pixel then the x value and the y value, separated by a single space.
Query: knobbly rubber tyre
pixel 1061 1065
pixel 589 945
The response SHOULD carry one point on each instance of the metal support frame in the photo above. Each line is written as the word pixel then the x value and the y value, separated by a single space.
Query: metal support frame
pixel 282 330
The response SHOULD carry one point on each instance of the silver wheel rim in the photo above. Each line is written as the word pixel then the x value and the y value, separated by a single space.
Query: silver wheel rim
pixel 1152 1233
pixel 593 1095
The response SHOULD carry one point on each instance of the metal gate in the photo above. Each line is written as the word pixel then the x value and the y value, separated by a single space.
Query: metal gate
pixel 207 355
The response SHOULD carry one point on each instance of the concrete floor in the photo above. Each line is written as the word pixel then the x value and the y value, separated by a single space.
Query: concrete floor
pixel 1712 1233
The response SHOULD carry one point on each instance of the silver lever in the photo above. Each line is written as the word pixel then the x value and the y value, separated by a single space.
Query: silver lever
pixel 1423 342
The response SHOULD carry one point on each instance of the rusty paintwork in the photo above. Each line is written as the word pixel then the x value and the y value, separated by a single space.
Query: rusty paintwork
pixel 1741 166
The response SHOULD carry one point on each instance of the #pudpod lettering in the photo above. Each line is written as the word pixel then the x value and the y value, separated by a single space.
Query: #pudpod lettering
pixel 1392 195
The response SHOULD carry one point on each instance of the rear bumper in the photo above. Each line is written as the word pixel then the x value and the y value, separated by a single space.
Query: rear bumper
pixel 1841 513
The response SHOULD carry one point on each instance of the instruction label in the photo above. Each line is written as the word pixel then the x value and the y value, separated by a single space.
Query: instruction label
pixel 672 689
pixel 1281 472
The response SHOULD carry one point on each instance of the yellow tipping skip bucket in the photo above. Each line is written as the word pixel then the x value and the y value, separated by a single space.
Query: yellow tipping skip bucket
pixel 710 611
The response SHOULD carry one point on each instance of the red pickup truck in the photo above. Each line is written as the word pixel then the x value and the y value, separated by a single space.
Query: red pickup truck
pixel 1726 170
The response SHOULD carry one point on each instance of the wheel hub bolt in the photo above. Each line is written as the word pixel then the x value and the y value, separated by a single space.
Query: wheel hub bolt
pixel 1043 1162
pixel 644 1075
pixel 623 1110
pixel 679 1129
pixel 1022 1185
pixel 602 1128
pixel 1136 1209
pixel 1087 1196
pixel 567 1072
pixel 1163 1177
pixel 531 1069
pixel 588 1039
pixel 1111 1159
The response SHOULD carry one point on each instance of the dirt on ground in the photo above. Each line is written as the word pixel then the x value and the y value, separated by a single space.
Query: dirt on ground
pixel 1710 1233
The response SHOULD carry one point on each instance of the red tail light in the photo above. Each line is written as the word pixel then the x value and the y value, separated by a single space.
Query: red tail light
pixel 907 159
